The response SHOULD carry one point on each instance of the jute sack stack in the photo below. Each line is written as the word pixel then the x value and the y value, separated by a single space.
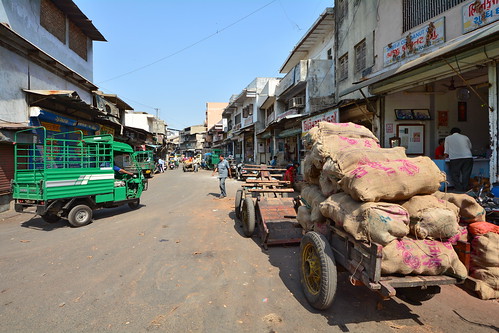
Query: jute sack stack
pixel 395 180
pixel 485 264
pixel 313 196
pixel 422 257
pixel 432 217
pixel 346 160
pixel 379 222
pixel 469 209
pixel 303 216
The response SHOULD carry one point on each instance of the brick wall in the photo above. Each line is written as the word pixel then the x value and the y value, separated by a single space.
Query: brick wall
pixel 53 20
pixel 77 40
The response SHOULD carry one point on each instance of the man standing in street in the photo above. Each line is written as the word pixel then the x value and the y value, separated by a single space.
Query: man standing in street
pixel 223 169
pixel 458 150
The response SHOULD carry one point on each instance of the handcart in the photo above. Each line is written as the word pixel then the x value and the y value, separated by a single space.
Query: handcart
pixel 321 256
pixel 263 201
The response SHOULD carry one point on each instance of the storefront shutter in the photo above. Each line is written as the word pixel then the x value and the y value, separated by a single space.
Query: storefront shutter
pixel 6 167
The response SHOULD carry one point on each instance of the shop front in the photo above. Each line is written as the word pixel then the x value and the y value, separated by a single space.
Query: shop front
pixel 455 86
pixel 56 123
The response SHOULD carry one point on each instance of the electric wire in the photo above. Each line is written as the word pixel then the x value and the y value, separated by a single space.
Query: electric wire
pixel 189 46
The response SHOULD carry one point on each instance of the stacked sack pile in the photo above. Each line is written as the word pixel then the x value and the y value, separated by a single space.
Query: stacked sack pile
pixel 380 195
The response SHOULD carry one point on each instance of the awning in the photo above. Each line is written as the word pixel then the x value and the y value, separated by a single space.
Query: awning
pixel 153 146
pixel 66 98
pixel 289 132
pixel 468 50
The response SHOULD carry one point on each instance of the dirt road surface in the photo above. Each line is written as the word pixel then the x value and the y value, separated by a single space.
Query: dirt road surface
pixel 180 264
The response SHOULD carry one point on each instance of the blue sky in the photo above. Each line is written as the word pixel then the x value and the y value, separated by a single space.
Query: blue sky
pixel 176 55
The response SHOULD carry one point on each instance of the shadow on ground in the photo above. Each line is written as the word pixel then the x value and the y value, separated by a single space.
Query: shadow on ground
pixel 37 223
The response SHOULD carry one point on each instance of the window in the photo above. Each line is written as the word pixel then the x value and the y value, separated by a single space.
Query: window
pixel 53 20
pixel 330 54
pixel 343 70
pixel 237 119
pixel 360 56
pixel 415 12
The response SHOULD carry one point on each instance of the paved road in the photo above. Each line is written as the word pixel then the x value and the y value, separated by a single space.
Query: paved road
pixel 180 264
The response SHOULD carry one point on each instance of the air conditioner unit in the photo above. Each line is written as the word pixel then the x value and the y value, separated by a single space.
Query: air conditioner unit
pixel 297 102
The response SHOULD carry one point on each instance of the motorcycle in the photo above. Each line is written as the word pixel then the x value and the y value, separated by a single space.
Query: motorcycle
pixel 172 165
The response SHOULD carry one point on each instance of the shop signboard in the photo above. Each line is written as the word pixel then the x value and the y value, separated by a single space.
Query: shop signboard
pixel 309 123
pixel 414 43
pixel 476 14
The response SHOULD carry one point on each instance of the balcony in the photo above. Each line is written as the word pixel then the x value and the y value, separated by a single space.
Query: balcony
pixel 296 77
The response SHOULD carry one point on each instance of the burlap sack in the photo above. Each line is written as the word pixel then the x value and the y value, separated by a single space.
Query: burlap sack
pixel 469 210
pixel 395 180
pixel 324 130
pixel 488 285
pixel 432 217
pixel 303 217
pixel 328 184
pixel 485 251
pixel 379 222
pixel 461 236
pixel 485 291
pixel 349 159
pixel 310 172
pixel 313 196
pixel 421 257
pixel 337 143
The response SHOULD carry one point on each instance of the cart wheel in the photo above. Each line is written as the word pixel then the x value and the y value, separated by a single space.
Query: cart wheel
pixel 238 201
pixel 183 168
pixel 80 215
pixel 317 270
pixel 248 216
pixel 50 218
pixel 418 295
pixel 134 204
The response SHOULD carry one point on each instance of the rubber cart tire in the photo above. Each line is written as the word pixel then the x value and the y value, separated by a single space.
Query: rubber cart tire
pixel 134 204
pixel 50 218
pixel 80 215
pixel 237 203
pixel 317 270
pixel 248 217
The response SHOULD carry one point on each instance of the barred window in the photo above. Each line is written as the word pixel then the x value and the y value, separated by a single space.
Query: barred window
pixel 53 20
pixel 415 12
pixel 360 56
pixel 343 70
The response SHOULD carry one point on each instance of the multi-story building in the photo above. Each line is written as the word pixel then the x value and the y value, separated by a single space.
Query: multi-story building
pixel 435 68
pixel 214 125
pixel 242 116
pixel 46 60
pixel 192 139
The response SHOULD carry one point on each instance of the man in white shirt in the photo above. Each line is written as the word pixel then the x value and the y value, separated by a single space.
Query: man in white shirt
pixel 458 150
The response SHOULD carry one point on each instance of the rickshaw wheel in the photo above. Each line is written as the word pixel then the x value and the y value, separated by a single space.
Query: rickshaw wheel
pixel 80 215
pixel 248 217
pixel 317 270
pixel 237 202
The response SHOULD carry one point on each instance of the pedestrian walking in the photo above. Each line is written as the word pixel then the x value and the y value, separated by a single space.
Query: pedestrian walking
pixel 161 165
pixel 223 169
pixel 458 150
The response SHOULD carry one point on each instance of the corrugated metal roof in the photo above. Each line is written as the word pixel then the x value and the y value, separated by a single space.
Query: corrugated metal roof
pixel 317 32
